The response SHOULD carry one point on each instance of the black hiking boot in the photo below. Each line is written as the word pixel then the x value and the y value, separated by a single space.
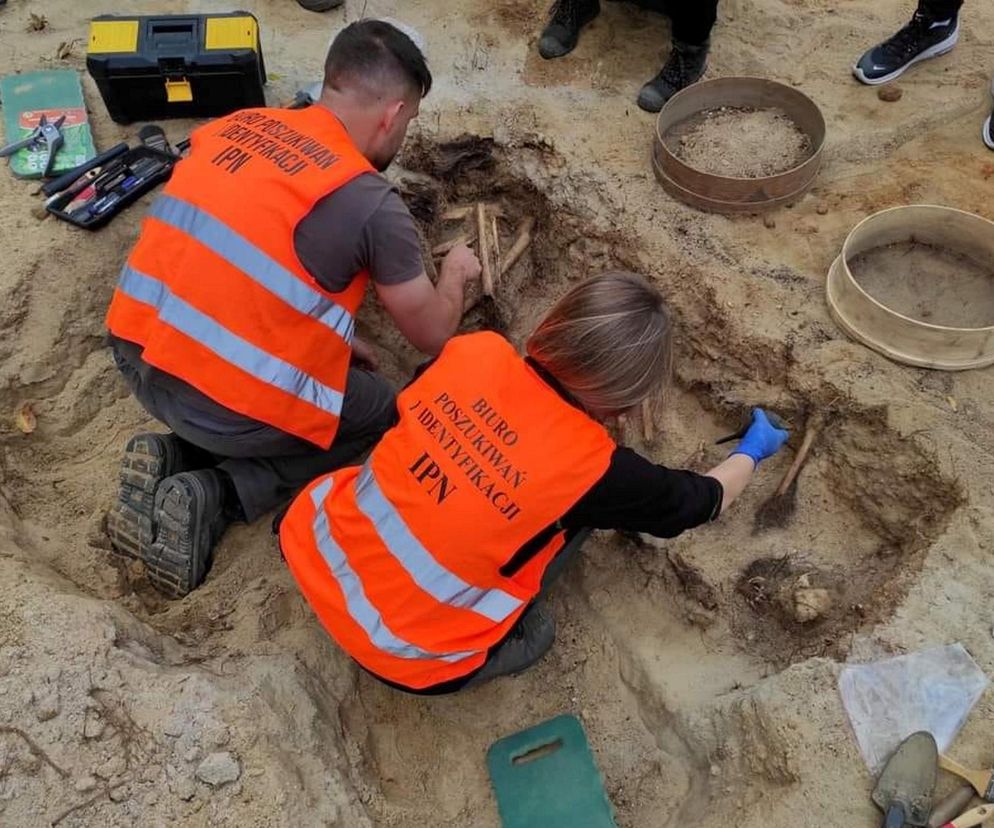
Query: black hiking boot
pixel 685 65
pixel 190 518
pixel 148 460
pixel 561 32
pixel 923 38
pixel 320 5
pixel 530 639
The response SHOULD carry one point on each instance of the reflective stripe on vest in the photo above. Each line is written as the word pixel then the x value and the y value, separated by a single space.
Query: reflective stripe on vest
pixel 254 263
pixel 232 348
pixel 357 604
pixel 440 583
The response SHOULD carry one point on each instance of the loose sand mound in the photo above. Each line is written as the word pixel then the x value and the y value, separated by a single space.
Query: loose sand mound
pixel 740 142
pixel 707 694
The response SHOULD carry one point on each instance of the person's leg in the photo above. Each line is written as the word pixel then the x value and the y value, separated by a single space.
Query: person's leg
pixel 933 31
pixel 692 22
pixel 271 476
pixel 533 635
pixel 529 640
pixel 939 9
pixel 149 458
pixel 688 58
pixel 560 34
pixel 566 557
pixel 262 468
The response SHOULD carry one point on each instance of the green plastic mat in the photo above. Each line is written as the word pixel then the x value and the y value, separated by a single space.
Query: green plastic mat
pixel 545 776
pixel 53 93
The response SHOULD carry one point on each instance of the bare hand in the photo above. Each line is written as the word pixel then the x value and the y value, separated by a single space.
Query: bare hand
pixel 363 355
pixel 461 262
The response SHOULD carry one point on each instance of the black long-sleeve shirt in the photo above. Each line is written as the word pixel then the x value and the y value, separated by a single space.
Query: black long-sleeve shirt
pixel 637 495
pixel 633 495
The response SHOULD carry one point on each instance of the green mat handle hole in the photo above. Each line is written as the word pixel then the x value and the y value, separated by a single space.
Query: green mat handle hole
pixel 536 753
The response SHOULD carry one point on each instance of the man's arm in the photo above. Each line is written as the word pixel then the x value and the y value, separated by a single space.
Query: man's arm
pixel 428 314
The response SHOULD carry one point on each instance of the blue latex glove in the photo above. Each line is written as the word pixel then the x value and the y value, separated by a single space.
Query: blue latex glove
pixel 763 439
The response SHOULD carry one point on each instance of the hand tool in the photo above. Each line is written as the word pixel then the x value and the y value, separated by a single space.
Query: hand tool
pixel 952 805
pixel 981 780
pixel 776 420
pixel 48 134
pixel 81 199
pixel 778 510
pixel 81 184
pixel 971 819
pixel 152 135
pixel 59 184
pixel 105 204
pixel 906 784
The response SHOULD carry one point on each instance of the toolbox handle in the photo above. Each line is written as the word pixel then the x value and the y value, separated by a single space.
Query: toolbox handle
pixel 166 35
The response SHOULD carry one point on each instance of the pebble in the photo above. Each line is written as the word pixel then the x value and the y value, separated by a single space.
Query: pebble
pixel 93 726
pixel 46 703
pixel 192 755
pixel 112 767
pixel 769 222
pixel 175 726
pixel 216 736
pixel 811 604
pixel 119 793
pixel 822 209
pixel 219 769
pixel 890 93
pixel 84 784
pixel 184 788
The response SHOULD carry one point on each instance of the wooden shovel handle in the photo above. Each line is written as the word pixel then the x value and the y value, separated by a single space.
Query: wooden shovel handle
pixel 810 432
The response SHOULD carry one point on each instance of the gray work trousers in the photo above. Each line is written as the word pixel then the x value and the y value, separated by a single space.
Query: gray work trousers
pixel 266 465
pixel 530 638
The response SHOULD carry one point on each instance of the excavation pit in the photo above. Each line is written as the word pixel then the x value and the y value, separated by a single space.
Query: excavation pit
pixel 654 636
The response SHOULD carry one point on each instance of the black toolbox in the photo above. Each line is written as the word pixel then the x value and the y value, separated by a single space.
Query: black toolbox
pixel 176 66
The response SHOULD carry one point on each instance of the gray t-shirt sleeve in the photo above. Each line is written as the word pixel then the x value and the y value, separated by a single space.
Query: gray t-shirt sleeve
pixel 363 225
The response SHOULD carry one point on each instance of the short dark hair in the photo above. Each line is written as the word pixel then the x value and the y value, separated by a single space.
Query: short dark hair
pixel 374 52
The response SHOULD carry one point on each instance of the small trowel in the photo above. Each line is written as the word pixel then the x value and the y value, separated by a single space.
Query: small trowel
pixel 905 787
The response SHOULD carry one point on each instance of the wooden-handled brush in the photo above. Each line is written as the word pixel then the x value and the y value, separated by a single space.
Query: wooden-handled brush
pixel 778 510
pixel 981 780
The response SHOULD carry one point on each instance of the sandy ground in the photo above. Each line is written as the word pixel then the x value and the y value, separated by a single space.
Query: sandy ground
pixel 704 699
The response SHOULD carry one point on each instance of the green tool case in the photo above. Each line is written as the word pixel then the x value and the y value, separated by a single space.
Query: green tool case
pixel 176 66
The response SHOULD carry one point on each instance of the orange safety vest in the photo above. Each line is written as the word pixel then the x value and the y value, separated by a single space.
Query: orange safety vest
pixel 401 558
pixel 213 290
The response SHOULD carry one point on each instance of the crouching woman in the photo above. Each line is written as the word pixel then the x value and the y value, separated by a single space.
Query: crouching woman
pixel 429 563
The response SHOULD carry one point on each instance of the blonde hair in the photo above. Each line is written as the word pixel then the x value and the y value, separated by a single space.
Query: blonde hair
pixel 608 342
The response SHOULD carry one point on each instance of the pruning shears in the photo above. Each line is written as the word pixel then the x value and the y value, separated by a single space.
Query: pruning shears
pixel 45 134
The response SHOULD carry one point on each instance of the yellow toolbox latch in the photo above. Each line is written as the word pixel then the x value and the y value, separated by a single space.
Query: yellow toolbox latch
pixel 179 91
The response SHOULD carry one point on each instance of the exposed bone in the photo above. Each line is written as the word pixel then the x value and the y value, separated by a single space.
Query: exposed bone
pixel 486 276
pixel 521 242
